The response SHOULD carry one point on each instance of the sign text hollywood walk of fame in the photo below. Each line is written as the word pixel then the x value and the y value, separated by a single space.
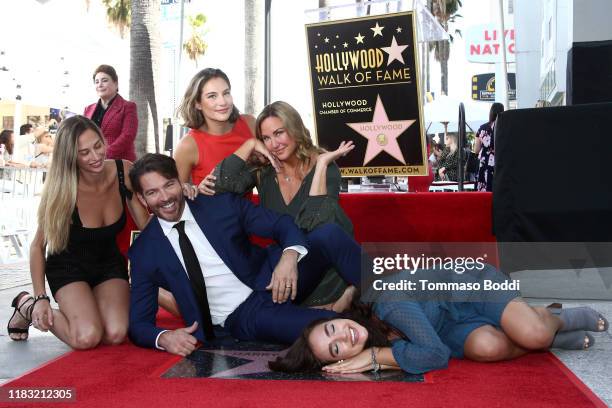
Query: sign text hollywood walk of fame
pixel 365 88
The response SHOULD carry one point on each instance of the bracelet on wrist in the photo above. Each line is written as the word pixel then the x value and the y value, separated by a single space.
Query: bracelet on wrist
pixel 375 365
pixel 42 296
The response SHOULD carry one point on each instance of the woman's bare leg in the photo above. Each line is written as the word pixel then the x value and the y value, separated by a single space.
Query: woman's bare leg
pixel 532 328
pixel 487 344
pixel 77 322
pixel 113 300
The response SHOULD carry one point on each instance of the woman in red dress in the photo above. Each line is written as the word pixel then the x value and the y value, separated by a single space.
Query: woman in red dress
pixel 217 128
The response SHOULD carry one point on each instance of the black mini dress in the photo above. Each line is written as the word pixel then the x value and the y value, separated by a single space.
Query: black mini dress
pixel 92 254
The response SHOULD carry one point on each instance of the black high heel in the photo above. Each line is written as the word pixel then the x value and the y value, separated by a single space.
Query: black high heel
pixel 15 304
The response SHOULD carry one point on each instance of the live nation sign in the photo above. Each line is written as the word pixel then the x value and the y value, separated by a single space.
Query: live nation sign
pixel 483 44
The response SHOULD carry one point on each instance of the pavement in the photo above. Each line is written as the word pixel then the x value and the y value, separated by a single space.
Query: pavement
pixel 593 367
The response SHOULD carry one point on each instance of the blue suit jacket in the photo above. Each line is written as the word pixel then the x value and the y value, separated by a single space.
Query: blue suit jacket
pixel 226 220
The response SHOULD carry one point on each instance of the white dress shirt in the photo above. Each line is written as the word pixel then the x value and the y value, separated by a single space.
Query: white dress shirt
pixel 224 290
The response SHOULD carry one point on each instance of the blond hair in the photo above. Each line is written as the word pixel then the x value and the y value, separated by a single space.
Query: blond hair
pixel 39 133
pixel 193 117
pixel 59 195
pixel 293 124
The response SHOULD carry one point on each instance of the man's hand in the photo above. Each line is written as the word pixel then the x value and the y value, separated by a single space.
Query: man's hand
pixel 179 341
pixel 284 278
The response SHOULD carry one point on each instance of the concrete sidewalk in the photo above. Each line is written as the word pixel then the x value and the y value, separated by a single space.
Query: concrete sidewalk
pixel 593 367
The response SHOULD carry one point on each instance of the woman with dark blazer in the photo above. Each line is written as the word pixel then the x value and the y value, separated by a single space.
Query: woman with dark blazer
pixel 115 116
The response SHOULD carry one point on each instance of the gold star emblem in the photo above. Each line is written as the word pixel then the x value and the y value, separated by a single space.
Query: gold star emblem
pixel 377 29
pixel 381 139
pixel 359 38
pixel 398 29
pixel 345 45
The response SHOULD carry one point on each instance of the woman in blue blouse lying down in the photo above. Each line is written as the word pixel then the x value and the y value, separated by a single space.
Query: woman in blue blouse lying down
pixel 421 336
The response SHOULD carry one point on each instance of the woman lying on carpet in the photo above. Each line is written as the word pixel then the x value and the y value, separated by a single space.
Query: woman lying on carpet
pixel 296 178
pixel 82 210
pixel 421 336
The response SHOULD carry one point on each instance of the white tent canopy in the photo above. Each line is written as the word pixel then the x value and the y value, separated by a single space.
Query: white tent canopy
pixel 445 109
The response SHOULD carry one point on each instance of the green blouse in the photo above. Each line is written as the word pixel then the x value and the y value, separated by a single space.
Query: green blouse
pixel 235 175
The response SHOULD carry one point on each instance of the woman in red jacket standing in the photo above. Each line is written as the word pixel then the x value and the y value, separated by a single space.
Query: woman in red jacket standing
pixel 115 116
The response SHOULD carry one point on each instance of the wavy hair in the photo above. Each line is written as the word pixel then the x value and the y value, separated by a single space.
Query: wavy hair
pixel 40 133
pixel 293 124
pixel 300 358
pixel 59 195
pixel 192 117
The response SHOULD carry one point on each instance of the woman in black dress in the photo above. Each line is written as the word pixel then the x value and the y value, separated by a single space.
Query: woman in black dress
pixel 82 210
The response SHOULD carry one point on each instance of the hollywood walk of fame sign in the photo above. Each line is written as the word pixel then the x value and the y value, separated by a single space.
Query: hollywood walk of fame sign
pixel 364 77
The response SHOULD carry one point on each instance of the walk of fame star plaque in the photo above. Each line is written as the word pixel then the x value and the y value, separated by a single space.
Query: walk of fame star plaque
pixel 247 360
pixel 365 88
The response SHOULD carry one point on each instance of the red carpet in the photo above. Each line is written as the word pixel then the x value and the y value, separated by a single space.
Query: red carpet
pixel 127 376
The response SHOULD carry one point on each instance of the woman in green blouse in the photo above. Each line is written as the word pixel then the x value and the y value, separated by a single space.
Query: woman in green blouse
pixel 293 177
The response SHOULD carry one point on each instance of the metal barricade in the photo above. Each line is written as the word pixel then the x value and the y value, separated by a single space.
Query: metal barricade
pixel 20 190
pixel 21 181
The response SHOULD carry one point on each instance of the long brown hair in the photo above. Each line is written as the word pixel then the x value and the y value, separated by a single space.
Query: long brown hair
pixel 192 117
pixel 59 194
pixel 300 358
pixel 293 124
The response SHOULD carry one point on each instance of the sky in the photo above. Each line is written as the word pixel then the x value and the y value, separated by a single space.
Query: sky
pixel 60 43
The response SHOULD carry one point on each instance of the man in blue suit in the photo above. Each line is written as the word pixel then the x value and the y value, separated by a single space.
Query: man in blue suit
pixel 250 291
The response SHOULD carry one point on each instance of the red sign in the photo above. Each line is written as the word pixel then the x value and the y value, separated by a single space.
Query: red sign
pixel 483 44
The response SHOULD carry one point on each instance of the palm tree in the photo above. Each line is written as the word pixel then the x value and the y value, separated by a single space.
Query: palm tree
pixel 253 47
pixel 118 14
pixel 195 46
pixel 445 12
pixel 145 58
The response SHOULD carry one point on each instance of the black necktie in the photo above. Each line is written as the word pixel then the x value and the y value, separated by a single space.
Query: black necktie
pixel 196 278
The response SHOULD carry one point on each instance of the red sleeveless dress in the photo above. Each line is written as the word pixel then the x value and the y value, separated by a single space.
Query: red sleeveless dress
pixel 214 148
